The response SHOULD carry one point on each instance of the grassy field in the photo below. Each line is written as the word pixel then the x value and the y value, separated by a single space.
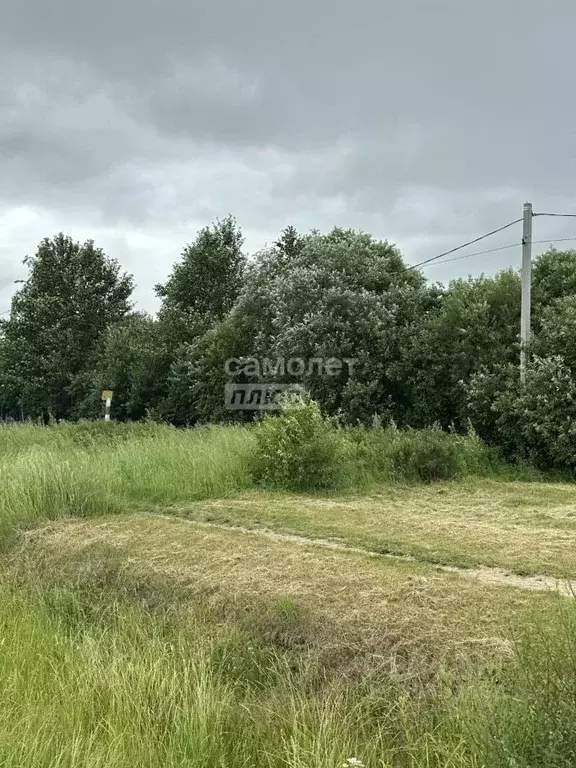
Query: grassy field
pixel 131 633
pixel 526 527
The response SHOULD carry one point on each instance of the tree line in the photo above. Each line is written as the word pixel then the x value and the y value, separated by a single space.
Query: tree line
pixel 425 353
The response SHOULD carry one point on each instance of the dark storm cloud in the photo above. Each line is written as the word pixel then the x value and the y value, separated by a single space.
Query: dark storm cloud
pixel 421 121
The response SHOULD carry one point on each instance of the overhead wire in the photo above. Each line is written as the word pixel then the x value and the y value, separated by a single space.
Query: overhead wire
pixel 502 248
pixel 483 237
pixel 476 253
pixel 465 245
pixel 560 215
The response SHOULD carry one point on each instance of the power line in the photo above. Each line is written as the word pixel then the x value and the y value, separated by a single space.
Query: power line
pixel 476 253
pixel 465 245
pixel 502 248
pixel 555 240
pixel 561 215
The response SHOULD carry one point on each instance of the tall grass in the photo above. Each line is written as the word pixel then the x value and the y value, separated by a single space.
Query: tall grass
pixel 98 468
pixel 85 470
pixel 88 680
pixel 182 465
pixel 19 437
pixel 527 717
pixel 101 683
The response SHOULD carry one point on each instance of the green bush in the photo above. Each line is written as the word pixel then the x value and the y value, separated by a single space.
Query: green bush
pixel 426 455
pixel 301 451
pixel 534 420
pixel 298 450
pixel 370 462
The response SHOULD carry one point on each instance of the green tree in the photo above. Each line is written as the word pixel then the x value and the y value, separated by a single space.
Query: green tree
pixel 58 318
pixel 474 323
pixel 348 296
pixel 132 362
pixel 533 420
pixel 289 244
pixel 9 400
pixel 208 279
pixel 556 331
pixel 341 295
pixel 553 277
pixel 201 290
pixel 198 376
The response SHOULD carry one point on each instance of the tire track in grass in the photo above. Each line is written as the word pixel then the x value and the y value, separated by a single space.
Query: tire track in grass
pixel 485 574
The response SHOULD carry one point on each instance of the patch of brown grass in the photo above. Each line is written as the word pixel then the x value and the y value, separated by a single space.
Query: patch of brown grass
pixel 347 606
pixel 524 527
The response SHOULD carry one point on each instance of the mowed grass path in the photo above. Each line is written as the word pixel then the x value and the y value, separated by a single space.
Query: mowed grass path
pixel 86 470
pixel 527 528
pixel 386 608
pixel 145 640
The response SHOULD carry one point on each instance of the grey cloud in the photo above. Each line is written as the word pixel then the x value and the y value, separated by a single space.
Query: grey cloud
pixel 425 122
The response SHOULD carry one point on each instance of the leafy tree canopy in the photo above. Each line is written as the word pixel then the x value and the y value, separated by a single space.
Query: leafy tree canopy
pixel 72 294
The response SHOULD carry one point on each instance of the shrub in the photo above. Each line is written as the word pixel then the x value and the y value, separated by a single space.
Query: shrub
pixel 390 454
pixel 533 421
pixel 426 455
pixel 370 449
pixel 298 450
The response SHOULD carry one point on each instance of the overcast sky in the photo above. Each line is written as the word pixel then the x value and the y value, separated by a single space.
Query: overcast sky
pixel 426 122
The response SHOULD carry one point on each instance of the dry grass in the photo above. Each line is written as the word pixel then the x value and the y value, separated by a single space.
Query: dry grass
pixel 396 612
pixel 524 527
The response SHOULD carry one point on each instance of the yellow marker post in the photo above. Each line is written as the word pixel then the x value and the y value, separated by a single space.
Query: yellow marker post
pixel 107 396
